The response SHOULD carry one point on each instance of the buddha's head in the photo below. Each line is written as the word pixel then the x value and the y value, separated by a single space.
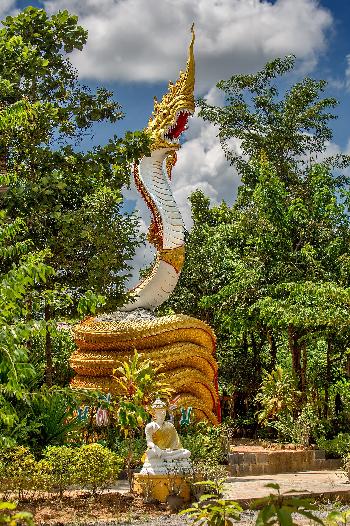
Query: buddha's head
pixel 158 410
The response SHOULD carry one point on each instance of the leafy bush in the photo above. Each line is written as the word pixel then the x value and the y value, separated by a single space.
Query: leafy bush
pixel 346 465
pixel 19 470
pixel 212 509
pixel 206 443
pixel 336 447
pixel 277 395
pixel 298 430
pixel 205 470
pixel 10 517
pixel 54 410
pixel 96 467
pixel 139 446
pixel 279 509
pixel 57 468
pixel 90 466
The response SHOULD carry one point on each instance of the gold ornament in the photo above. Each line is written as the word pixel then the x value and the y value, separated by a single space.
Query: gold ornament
pixel 178 99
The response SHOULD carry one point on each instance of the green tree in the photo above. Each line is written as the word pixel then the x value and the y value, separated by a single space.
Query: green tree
pixel 27 271
pixel 271 274
pixel 291 130
pixel 70 200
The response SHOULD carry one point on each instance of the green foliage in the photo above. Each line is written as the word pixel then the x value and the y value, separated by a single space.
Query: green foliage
pixel 211 510
pixel 19 470
pixel 91 467
pixel 298 429
pixel 202 471
pixel 336 447
pixel 279 509
pixel 122 448
pixel 338 518
pixel 280 409
pixel 62 205
pixel 10 517
pixel 47 417
pixel 138 380
pixel 207 443
pixel 277 395
pixel 270 274
pixel 53 410
pixel 269 303
pixel 61 216
pixel 25 270
pixel 346 465
pixel 289 130
pixel 57 468
pixel 96 467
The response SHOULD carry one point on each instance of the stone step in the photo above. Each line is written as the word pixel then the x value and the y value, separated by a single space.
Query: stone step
pixel 243 463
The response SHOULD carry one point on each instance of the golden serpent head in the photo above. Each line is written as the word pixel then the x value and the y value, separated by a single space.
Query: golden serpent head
pixel 170 115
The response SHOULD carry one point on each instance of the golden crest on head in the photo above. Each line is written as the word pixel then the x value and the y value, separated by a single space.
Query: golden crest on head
pixel 170 115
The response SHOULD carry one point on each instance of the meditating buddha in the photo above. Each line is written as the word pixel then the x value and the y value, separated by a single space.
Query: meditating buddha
pixel 164 455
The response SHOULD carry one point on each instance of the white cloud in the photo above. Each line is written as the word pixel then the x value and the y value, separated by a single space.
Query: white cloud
pixel 347 73
pixel 202 164
pixel 7 7
pixel 145 40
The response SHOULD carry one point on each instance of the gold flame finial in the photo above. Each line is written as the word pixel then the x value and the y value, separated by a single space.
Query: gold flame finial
pixel 170 115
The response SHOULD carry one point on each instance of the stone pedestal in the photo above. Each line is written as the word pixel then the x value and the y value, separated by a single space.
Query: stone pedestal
pixel 161 466
pixel 159 487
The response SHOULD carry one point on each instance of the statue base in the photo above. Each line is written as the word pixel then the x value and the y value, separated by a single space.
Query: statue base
pixel 183 347
pixel 157 466
pixel 160 487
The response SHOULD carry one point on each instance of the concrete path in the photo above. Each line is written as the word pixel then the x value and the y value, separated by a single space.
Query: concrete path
pixel 327 484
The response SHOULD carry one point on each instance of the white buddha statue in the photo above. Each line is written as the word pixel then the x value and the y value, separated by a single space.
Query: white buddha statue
pixel 165 454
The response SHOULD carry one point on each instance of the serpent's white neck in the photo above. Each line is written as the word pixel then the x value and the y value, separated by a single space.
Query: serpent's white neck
pixel 156 182
pixel 153 183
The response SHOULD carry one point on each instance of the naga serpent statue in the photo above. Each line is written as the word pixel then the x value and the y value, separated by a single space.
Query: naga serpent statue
pixel 182 346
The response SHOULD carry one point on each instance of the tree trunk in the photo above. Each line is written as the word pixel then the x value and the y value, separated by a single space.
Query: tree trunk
pixel 256 352
pixel 48 348
pixel 303 372
pixel 273 348
pixel 295 350
pixel 328 379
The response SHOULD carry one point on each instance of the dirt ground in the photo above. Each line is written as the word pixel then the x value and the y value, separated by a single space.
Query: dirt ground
pixel 82 508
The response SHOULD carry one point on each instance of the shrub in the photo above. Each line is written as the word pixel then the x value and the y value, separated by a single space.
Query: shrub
pixel 139 447
pixel 336 447
pixel 206 443
pixel 19 470
pixel 57 469
pixel 346 465
pixel 96 467
pixel 212 509
pixel 10 517
pixel 277 394
pixel 205 470
pixel 298 430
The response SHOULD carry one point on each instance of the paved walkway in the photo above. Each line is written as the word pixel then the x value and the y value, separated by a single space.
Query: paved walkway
pixel 327 484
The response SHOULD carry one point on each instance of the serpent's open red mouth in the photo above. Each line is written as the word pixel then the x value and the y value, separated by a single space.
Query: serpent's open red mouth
pixel 174 132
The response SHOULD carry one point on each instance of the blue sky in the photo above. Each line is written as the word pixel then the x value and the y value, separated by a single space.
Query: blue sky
pixel 136 46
